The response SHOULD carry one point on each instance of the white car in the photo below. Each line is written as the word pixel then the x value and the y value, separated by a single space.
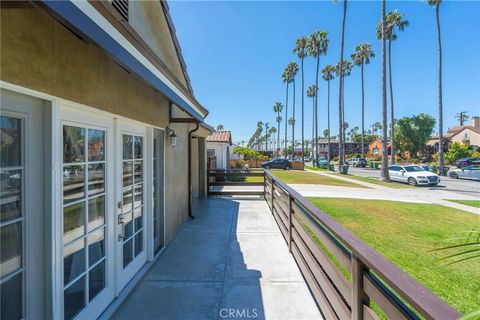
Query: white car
pixel 468 172
pixel 413 175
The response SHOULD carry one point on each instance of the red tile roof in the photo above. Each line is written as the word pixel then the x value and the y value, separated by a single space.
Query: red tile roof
pixel 220 136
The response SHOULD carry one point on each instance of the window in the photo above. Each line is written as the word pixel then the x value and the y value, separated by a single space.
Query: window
pixel 122 7
pixel 83 216
pixel 210 152
pixel 376 151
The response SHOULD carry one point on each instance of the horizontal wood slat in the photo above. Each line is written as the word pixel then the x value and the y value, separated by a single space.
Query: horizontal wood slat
pixel 317 292
pixel 330 268
pixel 234 183
pixel 324 239
pixel 236 193
pixel 335 299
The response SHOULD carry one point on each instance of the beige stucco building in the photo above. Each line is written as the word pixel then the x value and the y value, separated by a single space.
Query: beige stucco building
pixel 103 149
pixel 469 134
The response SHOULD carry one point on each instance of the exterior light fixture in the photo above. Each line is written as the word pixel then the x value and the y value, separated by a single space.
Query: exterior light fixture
pixel 172 137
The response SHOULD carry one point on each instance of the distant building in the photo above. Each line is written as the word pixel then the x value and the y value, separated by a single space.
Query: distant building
pixel 219 144
pixel 469 134
pixel 350 147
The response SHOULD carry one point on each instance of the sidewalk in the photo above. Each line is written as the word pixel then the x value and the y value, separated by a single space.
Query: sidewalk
pixel 417 195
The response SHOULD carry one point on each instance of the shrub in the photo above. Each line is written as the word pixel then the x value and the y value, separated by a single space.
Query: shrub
pixel 458 151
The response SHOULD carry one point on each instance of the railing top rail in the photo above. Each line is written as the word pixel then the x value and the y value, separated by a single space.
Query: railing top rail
pixel 422 299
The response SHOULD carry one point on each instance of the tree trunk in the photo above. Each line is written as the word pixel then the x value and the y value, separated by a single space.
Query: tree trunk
pixel 316 108
pixel 392 109
pixel 384 174
pixel 293 124
pixel 286 122
pixel 314 150
pixel 440 102
pixel 328 121
pixel 278 136
pixel 303 117
pixel 340 100
pixel 363 115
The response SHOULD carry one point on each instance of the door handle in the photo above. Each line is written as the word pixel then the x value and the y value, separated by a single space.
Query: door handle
pixel 121 235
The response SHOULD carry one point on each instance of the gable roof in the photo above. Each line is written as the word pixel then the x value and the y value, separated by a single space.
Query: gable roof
pixel 220 136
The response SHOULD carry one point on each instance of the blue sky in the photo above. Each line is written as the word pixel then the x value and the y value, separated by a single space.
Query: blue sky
pixel 236 51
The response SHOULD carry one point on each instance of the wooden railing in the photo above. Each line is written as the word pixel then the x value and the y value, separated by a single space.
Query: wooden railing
pixel 218 179
pixel 344 274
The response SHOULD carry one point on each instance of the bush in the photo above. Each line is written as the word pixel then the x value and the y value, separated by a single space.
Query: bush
pixel 458 151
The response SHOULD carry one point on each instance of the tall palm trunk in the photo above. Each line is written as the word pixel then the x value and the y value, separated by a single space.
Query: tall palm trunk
pixel 278 135
pixel 303 116
pixel 286 121
pixel 328 121
pixel 440 106
pixel 340 89
pixel 392 109
pixel 384 173
pixel 316 109
pixel 293 125
pixel 363 115
pixel 314 149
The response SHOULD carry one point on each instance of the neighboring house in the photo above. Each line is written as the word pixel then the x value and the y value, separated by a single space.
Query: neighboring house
pixel 469 134
pixel 350 147
pixel 375 149
pixel 102 141
pixel 219 144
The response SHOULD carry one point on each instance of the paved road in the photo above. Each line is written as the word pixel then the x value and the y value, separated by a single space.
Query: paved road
pixel 467 187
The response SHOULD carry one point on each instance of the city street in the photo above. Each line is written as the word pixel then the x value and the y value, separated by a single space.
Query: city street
pixel 463 186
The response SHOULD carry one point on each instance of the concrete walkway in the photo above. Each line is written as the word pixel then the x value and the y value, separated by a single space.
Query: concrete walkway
pixel 416 195
pixel 230 262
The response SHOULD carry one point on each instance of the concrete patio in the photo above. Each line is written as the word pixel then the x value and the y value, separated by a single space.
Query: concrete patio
pixel 229 262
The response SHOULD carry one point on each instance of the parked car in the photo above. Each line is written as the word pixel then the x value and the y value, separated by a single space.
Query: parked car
pixel 460 163
pixel 277 164
pixel 357 162
pixel 468 172
pixel 323 163
pixel 413 175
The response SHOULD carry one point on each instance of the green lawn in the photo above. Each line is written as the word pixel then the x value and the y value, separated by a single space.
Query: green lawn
pixel 304 177
pixel 405 233
pixel 473 203
pixel 315 168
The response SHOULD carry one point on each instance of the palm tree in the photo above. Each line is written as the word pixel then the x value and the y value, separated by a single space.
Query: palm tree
pixel 292 122
pixel 340 90
pixel 277 108
pixel 327 76
pixel 301 51
pixel 220 127
pixel 347 70
pixel 293 66
pixel 311 93
pixel 271 133
pixel 384 174
pixel 436 4
pixel 317 46
pixel 286 77
pixel 361 57
pixel 394 21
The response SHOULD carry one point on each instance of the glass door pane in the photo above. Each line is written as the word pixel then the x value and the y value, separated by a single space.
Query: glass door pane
pixel 12 266
pixel 132 213
pixel 84 192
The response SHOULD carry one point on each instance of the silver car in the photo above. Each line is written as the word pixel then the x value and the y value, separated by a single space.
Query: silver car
pixel 468 172
pixel 413 175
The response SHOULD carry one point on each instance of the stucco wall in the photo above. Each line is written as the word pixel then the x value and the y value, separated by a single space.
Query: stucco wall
pixel 195 167
pixel 39 53
pixel 156 35
pixel 176 182
pixel 472 136
pixel 220 153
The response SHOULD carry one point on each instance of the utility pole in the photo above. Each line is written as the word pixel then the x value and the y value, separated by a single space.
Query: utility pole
pixel 462 117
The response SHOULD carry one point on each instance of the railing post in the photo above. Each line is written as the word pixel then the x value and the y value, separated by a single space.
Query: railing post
pixel 359 297
pixel 264 184
pixel 289 223
pixel 273 190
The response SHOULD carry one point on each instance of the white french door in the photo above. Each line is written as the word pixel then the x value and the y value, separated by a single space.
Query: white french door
pixel 87 211
pixel 130 194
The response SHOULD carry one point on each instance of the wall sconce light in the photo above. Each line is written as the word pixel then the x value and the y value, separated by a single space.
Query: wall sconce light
pixel 172 137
